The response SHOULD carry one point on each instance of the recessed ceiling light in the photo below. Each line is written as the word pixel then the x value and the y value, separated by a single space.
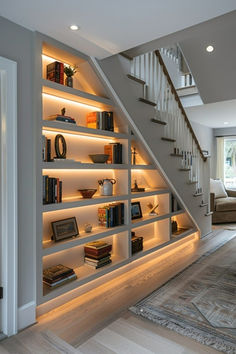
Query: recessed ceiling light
pixel 226 123
pixel 209 48
pixel 74 27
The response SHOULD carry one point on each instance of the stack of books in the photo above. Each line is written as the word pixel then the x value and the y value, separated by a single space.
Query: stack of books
pixel 52 190
pixel 62 118
pixel 136 243
pixel 55 72
pixel 100 120
pixel 114 150
pixel 58 275
pixel 97 254
pixel 111 215
pixel 46 149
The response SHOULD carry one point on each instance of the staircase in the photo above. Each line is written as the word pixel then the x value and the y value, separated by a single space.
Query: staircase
pixel 143 90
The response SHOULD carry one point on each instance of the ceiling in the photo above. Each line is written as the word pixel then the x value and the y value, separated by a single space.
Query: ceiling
pixel 214 114
pixel 110 26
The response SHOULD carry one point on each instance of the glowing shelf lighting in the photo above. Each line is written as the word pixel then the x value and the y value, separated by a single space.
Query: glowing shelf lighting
pixel 47 95
pixel 79 135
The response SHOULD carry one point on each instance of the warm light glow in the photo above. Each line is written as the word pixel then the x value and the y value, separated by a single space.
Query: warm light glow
pixel 209 48
pixel 71 170
pixel 80 136
pixel 70 101
pixel 74 28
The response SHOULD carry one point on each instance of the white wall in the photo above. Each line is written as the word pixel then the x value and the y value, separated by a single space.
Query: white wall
pixel 206 138
pixel 16 43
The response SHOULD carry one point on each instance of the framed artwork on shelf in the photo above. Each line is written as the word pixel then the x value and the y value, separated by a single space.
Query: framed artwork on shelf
pixel 65 228
pixel 136 211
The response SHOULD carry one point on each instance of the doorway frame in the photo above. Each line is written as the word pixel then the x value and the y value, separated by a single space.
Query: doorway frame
pixel 8 182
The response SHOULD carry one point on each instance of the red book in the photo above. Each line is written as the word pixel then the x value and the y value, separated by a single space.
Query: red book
pixel 62 73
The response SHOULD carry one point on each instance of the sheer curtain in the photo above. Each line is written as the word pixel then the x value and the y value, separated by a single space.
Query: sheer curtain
pixel 220 158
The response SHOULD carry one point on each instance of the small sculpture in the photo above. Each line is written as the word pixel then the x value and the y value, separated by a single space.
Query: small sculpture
pixel 134 153
pixel 87 228
pixel 152 209
pixel 136 188
pixel 63 111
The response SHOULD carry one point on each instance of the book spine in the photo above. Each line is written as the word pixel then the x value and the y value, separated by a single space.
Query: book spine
pixel 48 150
pixel 61 73
pixel 47 190
pixel 44 139
pixel 60 191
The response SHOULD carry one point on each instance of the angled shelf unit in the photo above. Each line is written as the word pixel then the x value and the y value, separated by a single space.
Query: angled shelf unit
pixel 77 171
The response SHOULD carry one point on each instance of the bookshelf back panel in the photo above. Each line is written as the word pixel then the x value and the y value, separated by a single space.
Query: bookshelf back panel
pixel 53 105
pixel 157 232
pixel 72 180
pixel 79 146
pixel 74 257
pixel 83 215
pixel 147 179
pixel 183 220
pixel 162 200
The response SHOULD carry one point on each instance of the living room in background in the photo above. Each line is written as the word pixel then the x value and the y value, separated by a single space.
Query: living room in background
pixel 226 161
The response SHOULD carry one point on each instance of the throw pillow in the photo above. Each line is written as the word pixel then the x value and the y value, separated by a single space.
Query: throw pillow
pixel 217 187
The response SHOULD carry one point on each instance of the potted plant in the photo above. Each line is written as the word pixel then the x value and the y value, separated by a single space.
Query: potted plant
pixel 69 71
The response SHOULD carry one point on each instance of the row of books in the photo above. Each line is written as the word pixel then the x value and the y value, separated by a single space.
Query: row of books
pixel 111 215
pixel 55 72
pixel 97 254
pixel 100 120
pixel 58 275
pixel 136 243
pixel 114 150
pixel 46 149
pixel 52 190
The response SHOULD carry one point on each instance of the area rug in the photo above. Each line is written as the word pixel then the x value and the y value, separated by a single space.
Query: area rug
pixel 200 302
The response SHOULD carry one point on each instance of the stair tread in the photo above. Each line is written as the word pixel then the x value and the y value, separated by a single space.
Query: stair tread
pixel 126 56
pixel 176 155
pixel 134 78
pixel 197 194
pixel 168 139
pixel 144 100
pixel 192 182
pixel 158 121
pixel 203 205
pixel 185 169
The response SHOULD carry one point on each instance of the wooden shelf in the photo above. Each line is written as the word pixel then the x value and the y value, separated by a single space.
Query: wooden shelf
pixel 143 167
pixel 70 165
pixel 147 219
pixel 178 212
pixel 149 192
pixel 84 274
pixel 97 233
pixel 79 202
pixel 69 93
pixel 69 128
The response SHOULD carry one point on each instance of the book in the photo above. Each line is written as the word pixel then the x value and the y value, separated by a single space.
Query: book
pixel 61 281
pixel 57 271
pixel 55 72
pixel 100 265
pixel 100 120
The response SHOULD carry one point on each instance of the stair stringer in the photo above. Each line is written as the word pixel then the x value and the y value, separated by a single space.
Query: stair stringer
pixel 113 72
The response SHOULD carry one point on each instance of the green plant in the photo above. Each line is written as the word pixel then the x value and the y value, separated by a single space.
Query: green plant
pixel 70 70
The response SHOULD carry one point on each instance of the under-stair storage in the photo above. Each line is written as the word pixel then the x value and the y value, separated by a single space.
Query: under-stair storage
pixel 102 200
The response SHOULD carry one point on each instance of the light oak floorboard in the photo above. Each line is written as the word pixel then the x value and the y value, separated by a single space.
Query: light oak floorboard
pixel 83 324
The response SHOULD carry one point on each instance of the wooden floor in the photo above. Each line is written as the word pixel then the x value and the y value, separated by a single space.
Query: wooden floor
pixel 98 322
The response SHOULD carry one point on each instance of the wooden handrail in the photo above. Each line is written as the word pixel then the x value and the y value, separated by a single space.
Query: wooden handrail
pixel 173 90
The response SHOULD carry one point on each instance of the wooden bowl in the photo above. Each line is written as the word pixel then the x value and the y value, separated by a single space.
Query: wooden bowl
pixel 87 193
pixel 99 158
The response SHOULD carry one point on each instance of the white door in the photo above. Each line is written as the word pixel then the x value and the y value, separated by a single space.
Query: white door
pixel 8 196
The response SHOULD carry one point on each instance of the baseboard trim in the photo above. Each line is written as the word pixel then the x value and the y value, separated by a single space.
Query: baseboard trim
pixel 26 315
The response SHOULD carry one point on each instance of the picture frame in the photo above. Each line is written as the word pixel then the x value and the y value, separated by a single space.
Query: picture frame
pixel 136 211
pixel 65 228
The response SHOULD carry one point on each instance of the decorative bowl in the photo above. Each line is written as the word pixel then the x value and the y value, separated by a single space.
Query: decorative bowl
pixel 99 158
pixel 87 193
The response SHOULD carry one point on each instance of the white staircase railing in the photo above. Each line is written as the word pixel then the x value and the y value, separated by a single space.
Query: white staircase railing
pixel 159 89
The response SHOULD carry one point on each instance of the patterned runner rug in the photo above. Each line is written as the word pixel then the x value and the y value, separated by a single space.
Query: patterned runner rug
pixel 200 302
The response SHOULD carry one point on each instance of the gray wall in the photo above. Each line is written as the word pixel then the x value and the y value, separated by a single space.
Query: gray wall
pixel 206 138
pixel 16 43
pixel 225 131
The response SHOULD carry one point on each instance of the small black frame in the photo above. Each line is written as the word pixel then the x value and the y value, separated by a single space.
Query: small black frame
pixel 64 228
pixel 136 211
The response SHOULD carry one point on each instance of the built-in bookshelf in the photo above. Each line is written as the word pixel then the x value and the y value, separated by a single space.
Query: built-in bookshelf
pixel 136 180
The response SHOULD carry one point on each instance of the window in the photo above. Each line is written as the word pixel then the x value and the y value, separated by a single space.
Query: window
pixel 230 162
